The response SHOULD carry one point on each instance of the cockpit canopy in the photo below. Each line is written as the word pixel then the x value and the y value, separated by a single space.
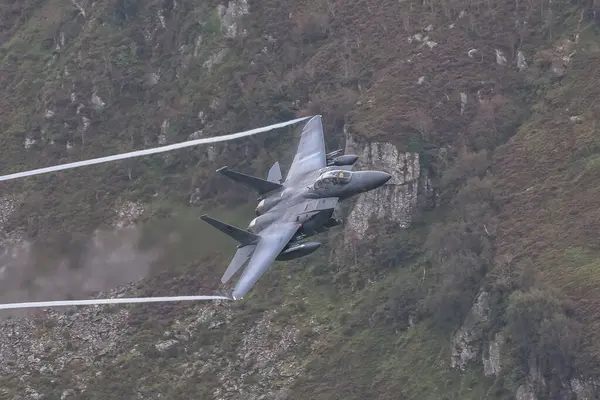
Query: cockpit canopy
pixel 333 178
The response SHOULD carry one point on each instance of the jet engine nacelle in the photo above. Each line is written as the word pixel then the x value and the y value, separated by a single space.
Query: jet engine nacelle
pixel 298 250
pixel 347 159
pixel 266 204
pixel 258 223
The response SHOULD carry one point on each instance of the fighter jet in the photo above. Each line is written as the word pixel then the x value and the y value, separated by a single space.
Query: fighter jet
pixel 288 211
pixel 292 210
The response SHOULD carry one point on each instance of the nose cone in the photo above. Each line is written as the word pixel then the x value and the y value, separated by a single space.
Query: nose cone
pixel 380 178
pixel 374 179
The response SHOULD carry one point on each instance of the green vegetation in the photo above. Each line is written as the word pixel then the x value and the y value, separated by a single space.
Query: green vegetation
pixel 514 167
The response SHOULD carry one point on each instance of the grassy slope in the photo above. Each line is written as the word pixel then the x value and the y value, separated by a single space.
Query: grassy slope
pixel 548 174
pixel 326 57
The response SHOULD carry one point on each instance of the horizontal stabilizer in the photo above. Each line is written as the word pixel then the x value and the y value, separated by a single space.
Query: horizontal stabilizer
pixel 241 236
pixel 260 185
pixel 241 256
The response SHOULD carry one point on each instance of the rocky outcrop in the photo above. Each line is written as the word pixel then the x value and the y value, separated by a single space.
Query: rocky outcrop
pixel 491 361
pixel 49 344
pixel 397 199
pixel 577 388
pixel 466 343
pixel 585 389
pixel 262 362
pixel 8 205
pixel 128 213
pixel 266 355
pixel 470 342
pixel 230 16
pixel 525 392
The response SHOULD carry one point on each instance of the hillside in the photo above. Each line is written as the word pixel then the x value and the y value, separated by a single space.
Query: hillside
pixel 473 274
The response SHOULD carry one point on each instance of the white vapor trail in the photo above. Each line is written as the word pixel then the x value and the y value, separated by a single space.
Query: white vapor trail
pixel 62 303
pixel 155 150
pixel 59 303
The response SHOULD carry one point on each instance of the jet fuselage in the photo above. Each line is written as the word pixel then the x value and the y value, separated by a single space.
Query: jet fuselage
pixel 325 183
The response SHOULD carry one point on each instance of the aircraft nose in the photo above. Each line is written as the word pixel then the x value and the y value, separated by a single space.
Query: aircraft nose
pixel 382 177
pixel 377 178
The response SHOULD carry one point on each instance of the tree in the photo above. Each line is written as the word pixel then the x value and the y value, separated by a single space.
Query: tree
pixel 542 334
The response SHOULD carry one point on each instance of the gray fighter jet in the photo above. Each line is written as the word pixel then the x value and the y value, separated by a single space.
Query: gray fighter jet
pixel 295 209
pixel 288 212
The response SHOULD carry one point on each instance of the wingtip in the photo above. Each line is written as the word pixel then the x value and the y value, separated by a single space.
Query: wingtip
pixel 223 169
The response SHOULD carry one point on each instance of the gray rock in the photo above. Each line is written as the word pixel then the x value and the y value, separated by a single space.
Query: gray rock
pixel 466 343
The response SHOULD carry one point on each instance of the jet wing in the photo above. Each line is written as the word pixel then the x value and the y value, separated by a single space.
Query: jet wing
pixel 311 154
pixel 272 241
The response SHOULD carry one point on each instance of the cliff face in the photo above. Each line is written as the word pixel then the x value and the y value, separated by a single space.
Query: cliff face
pixel 395 201
pixel 471 274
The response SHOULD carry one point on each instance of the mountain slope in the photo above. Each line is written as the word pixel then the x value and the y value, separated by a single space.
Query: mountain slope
pixel 485 112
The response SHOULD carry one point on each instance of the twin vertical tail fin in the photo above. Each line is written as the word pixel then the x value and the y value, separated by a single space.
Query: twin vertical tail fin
pixel 260 185
pixel 275 173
